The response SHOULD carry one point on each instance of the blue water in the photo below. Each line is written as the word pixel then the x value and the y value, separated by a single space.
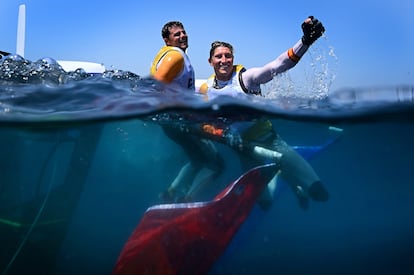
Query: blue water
pixel 83 156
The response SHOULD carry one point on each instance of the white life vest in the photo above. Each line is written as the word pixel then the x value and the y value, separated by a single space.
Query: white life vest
pixel 213 88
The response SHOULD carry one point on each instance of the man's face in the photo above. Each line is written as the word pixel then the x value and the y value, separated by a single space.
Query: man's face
pixel 177 38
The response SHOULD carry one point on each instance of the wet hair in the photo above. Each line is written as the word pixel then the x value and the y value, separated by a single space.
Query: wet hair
pixel 165 32
pixel 217 44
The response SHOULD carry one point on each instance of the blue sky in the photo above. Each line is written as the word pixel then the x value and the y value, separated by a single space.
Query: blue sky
pixel 372 40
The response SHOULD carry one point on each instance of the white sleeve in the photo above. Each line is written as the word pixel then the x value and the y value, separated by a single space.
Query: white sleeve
pixel 253 77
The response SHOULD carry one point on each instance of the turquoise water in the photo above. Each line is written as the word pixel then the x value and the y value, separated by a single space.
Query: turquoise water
pixel 84 156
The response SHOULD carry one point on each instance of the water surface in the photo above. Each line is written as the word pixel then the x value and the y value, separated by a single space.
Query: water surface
pixel 84 156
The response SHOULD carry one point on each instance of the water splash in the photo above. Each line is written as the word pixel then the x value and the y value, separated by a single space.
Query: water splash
pixel 311 79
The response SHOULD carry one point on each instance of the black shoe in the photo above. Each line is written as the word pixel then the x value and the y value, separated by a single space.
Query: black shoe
pixel 318 192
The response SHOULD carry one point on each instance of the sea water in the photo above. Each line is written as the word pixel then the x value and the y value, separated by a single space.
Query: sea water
pixel 83 156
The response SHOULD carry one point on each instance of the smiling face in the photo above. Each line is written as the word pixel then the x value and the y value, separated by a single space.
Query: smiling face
pixel 222 61
pixel 177 37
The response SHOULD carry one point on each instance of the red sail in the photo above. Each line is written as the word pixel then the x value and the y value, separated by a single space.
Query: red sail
pixel 188 238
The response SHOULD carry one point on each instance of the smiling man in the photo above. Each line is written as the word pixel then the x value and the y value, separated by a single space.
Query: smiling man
pixel 235 80
pixel 171 65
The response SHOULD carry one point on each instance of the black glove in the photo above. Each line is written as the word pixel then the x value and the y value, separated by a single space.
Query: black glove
pixel 312 30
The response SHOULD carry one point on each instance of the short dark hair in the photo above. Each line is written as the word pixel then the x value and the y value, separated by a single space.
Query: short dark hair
pixel 165 32
pixel 217 44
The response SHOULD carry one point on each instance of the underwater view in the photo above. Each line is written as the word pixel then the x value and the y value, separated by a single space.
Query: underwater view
pixel 84 156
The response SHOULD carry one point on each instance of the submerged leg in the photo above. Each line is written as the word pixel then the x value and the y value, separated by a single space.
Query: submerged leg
pixel 210 176
pixel 203 155
pixel 300 175
pixel 265 200
pixel 257 155
pixel 181 183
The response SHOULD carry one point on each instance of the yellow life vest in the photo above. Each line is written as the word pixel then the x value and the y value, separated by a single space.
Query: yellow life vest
pixel 185 78
pixel 162 52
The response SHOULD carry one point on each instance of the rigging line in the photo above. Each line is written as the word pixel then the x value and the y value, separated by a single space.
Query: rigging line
pixel 38 213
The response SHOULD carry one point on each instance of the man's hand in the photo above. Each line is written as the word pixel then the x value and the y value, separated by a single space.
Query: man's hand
pixel 312 30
